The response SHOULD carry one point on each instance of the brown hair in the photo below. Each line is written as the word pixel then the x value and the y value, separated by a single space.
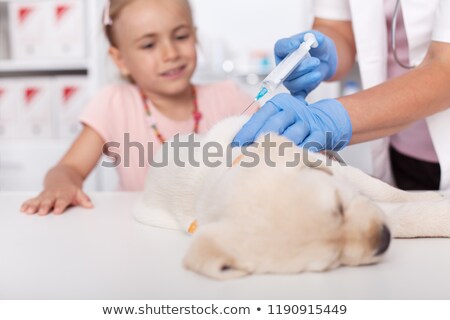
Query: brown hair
pixel 116 7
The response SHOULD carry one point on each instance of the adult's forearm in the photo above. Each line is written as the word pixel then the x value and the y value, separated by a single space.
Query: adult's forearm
pixel 375 134
pixel 342 35
pixel 391 106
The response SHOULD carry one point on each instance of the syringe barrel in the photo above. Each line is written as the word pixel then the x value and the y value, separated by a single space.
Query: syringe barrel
pixel 283 70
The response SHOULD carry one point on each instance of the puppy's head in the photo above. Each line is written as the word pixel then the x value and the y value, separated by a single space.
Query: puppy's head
pixel 285 219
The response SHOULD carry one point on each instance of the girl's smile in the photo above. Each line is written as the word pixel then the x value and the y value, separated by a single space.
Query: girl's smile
pixel 174 73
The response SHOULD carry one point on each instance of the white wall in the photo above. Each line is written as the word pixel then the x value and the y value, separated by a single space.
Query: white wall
pixel 247 25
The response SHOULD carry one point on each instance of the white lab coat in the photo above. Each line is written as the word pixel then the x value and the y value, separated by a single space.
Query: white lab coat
pixel 425 21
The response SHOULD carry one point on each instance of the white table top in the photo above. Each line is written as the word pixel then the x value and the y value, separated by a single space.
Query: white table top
pixel 104 254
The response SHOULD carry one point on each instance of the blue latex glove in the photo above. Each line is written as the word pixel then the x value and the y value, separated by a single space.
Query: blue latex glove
pixel 322 125
pixel 312 71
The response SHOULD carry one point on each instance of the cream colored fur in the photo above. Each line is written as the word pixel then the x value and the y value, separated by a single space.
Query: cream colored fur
pixel 282 219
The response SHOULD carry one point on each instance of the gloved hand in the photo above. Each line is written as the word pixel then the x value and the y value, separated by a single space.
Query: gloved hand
pixel 321 125
pixel 312 71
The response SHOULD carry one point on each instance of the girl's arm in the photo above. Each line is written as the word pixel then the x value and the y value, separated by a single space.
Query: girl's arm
pixel 63 183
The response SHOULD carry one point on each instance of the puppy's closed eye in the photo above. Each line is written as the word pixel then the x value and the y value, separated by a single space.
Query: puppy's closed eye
pixel 225 267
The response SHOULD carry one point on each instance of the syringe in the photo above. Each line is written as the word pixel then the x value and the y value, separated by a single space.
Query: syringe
pixel 285 67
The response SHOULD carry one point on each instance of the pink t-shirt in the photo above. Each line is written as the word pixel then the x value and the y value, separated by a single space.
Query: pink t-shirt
pixel 117 113
pixel 414 141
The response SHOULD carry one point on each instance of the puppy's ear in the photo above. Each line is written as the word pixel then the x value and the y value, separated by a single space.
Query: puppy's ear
pixel 207 257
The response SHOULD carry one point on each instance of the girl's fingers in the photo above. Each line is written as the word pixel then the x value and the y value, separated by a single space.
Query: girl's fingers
pixel 46 206
pixel 83 200
pixel 24 206
pixel 61 205
pixel 58 201
pixel 31 206
pixel 62 201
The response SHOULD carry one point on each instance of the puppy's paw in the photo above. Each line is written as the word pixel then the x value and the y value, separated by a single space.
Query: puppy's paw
pixel 428 196
pixel 207 257
pixel 421 219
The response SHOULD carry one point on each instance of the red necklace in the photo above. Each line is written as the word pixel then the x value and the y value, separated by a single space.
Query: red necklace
pixel 196 114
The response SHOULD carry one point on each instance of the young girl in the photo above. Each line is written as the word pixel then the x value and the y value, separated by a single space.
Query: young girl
pixel 153 43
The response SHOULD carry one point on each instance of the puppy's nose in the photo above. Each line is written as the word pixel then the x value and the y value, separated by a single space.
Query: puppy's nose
pixel 384 240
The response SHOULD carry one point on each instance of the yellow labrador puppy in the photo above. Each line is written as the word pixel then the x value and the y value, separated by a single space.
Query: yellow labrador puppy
pixel 275 208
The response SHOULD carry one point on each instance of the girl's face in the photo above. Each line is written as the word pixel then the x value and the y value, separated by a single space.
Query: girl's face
pixel 156 45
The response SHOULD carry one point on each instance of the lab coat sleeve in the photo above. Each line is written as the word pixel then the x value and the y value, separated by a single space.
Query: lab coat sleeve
pixel 332 9
pixel 441 29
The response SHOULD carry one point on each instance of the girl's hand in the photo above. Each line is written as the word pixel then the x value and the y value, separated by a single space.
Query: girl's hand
pixel 63 182
pixel 56 200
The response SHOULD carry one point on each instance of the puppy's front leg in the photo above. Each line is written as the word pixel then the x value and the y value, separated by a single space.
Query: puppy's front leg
pixel 378 190
pixel 418 219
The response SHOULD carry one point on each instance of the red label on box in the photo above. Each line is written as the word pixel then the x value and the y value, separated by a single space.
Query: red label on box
pixel 24 12
pixel 30 93
pixel 61 10
pixel 68 92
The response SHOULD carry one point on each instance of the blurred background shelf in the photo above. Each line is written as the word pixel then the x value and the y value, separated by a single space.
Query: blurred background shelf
pixel 51 66
pixel 49 69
